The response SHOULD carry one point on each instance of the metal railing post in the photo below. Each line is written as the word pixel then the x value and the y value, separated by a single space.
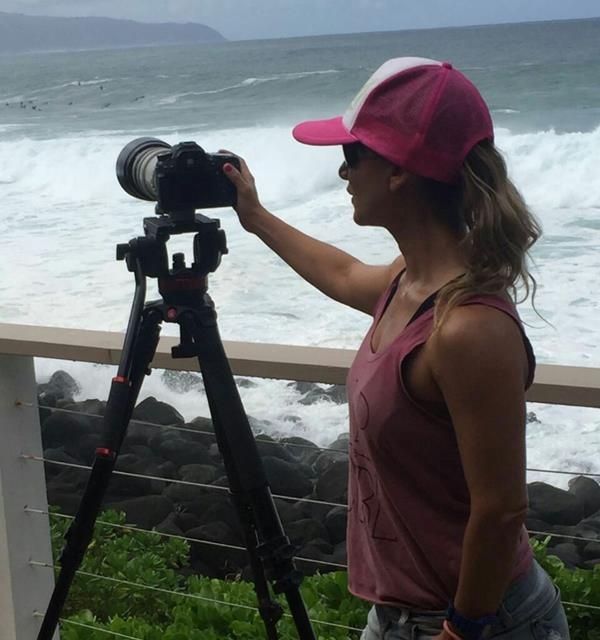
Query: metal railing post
pixel 24 536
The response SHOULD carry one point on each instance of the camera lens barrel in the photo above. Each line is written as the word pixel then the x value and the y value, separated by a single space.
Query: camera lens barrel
pixel 136 164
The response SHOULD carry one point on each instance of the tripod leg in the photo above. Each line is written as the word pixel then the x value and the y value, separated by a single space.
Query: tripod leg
pixel 244 469
pixel 121 401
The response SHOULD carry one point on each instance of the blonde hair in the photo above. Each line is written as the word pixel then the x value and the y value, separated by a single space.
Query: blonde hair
pixel 498 227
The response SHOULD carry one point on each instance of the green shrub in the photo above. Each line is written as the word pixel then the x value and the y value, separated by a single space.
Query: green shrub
pixel 576 586
pixel 125 554
pixel 196 608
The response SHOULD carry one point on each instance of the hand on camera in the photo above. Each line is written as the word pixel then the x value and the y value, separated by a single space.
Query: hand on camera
pixel 248 205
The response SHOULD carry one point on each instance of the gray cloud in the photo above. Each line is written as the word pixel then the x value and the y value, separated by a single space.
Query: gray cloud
pixel 240 19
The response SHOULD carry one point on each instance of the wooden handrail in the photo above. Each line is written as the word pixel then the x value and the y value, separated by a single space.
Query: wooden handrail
pixel 553 384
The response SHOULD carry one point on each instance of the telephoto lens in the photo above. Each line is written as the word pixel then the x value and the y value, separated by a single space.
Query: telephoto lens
pixel 136 164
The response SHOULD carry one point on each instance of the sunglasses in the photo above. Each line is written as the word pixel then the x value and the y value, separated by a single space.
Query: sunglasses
pixel 354 153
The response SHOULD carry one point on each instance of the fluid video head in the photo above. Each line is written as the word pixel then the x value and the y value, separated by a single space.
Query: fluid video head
pixel 179 178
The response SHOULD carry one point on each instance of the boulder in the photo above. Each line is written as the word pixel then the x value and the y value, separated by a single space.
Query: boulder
pixel 170 525
pixel 198 473
pixel 268 447
pixel 587 491
pixel 65 430
pixel 182 381
pixel 145 511
pixel 285 478
pixel 332 485
pixel 181 452
pixel 156 412
pixel 335 523
pixel 567 552
pixel 555 505
pixel 301 448
pixel 60 386
pixel 304 531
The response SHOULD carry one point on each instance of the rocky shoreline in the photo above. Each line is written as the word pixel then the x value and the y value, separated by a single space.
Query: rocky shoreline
pixel 185 493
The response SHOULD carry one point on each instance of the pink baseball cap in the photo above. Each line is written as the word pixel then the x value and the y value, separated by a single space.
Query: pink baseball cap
pixel 421 114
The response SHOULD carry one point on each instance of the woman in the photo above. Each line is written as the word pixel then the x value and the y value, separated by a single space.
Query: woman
pixel 437 490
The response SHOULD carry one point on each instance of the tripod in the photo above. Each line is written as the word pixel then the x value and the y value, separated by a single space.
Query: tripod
pixel 185 301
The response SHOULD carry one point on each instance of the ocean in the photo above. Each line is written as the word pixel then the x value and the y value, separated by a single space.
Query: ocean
pixel 65 116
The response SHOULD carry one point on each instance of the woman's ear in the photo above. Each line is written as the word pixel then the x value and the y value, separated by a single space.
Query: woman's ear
pixel 398 178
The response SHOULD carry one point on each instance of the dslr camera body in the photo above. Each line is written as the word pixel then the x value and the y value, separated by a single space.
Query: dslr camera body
pixel 179 178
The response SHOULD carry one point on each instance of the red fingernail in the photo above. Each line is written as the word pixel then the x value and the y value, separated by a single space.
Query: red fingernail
pixel 227 168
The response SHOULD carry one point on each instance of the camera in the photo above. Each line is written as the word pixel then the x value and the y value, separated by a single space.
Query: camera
pixel 179 178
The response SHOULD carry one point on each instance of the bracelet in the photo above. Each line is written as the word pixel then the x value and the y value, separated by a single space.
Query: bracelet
pixel 448 630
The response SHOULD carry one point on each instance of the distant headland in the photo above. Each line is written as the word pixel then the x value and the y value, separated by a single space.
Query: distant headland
pixel 23 33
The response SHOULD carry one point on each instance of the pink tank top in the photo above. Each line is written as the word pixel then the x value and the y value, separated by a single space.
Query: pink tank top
pixel 408 501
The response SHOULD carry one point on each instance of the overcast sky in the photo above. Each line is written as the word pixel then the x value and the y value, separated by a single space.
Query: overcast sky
pixel 246 19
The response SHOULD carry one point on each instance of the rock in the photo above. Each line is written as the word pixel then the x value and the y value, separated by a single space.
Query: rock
pixel 182 453
pixel 339 555
pixel 555 505
pixel 170 525
pixel 182 381
pixel 156 412
pixel 182 493
pixel 335 523
pixel 218 561
pixel 222 512
pixel 198 473
pixel 592 522
pixel 285 478
pixel 187 521
pixel 132 486
pixel 304 531
pixel 266 447
pixel 315 395
pixel 245 383
pixel 61 385
pixel 64 499
pixel 332 485
pixel 303 387
pixel 86 448
pixel 588 491
pixel 57 454
pixel 300 448
pixel 65 429
pixel 340 443
pixel 567 552
pixel 260 427
pixel 590 565
pixel 327 458
pixel 591 551
pixel 312 509
pixel 139 450
pixel 93 407
pixel 538 528
pixel 145 512
pixel 562 533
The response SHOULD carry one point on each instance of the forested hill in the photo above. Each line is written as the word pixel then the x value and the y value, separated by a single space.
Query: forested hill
pixel 19 33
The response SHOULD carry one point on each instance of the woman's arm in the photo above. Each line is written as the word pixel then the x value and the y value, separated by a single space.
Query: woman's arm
pixel 331 270
pixel 480 365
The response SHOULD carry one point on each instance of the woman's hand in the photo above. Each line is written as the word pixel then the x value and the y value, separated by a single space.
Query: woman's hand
pixel 248 206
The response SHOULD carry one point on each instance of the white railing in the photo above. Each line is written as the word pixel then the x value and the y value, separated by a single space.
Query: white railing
pixel 25 581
